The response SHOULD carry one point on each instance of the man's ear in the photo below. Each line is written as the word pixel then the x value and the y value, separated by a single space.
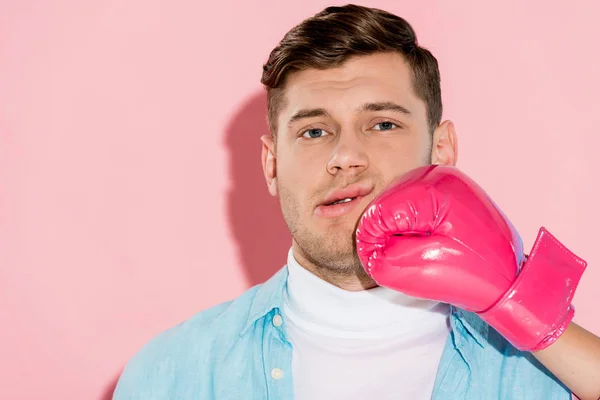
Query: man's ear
pixel 269 163
pixel 444 149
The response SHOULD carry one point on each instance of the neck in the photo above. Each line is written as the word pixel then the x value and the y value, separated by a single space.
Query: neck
pixel 352 281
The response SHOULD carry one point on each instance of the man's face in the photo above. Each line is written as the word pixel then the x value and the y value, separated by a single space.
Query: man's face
pixel 344 134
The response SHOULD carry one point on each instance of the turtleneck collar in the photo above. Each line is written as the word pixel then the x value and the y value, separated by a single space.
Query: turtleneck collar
pixel 313 304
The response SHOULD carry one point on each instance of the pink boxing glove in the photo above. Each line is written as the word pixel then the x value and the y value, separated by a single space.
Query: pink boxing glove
pixel 435 234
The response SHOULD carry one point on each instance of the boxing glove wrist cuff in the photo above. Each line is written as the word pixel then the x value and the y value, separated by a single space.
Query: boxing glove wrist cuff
pixel 536 309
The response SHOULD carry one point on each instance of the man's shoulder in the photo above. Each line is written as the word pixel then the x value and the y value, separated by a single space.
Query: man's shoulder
pixel 229 316
pixel 217 322
pixel 184 348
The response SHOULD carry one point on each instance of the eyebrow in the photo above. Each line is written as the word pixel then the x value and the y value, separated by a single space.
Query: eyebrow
pixel 308 113
pixel 321 112
pixel 385 106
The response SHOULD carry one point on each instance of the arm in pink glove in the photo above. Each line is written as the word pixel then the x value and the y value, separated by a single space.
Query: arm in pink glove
pixel 436 234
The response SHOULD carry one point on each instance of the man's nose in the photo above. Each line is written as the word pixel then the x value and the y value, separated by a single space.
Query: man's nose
pixel 349 154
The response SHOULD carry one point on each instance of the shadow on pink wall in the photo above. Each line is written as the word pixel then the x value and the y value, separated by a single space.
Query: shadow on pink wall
pixel 255 217
pixel 110 388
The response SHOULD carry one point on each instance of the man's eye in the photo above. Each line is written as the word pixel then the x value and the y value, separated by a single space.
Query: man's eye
pixel 314 133
pixel 385 126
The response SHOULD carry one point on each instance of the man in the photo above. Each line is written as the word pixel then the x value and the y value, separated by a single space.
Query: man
pixel 354 105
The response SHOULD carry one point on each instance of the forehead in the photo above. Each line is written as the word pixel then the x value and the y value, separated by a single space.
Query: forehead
pixel 377 77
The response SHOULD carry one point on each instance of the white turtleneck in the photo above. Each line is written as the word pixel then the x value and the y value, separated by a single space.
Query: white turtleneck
pixel 371 344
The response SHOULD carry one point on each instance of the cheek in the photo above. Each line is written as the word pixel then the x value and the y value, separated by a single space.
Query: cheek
pixel 395 159
pixel 300 173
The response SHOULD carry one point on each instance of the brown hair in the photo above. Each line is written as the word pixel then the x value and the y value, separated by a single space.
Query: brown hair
pixel 332 36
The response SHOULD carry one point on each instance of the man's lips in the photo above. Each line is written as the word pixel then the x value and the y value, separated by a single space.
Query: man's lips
pixel 342 201
pixel 349 192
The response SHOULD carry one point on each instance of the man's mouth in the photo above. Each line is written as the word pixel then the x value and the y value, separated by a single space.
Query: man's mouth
pixel 342 201
pixel 346 200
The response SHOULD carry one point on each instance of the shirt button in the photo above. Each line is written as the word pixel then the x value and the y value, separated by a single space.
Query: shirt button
pixel 276 373
pixel 277 320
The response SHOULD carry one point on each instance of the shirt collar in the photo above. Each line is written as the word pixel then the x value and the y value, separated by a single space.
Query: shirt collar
pixel 464 324
pixel 268 296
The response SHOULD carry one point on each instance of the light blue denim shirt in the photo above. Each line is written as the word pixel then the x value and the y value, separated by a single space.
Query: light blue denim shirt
pixel 230 351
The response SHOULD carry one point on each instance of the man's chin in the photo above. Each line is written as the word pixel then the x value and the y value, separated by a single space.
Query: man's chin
pixel 337 257
pixel 341 227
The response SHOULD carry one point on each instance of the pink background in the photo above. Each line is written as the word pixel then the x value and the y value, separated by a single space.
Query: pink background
pixel 131 189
